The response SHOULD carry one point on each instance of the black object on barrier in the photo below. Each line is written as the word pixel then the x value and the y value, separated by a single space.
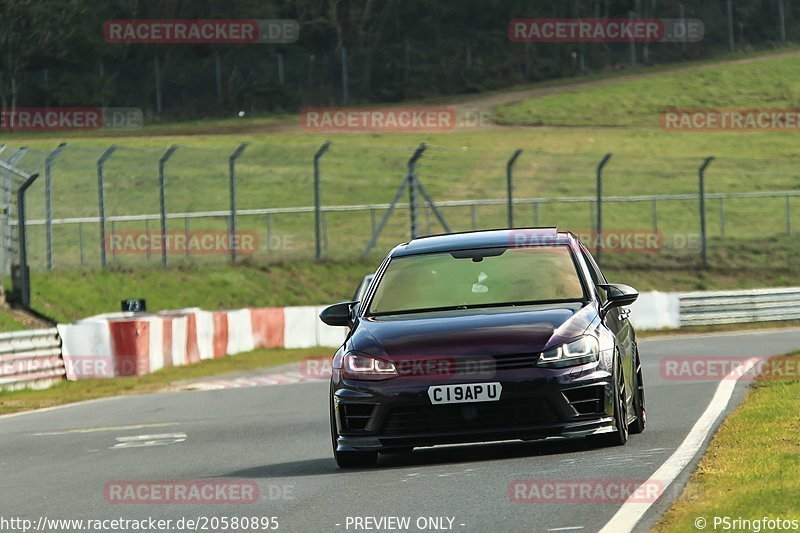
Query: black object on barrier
pixel 134 305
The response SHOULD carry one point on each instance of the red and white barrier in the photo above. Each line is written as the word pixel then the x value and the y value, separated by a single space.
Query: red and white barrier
pixel 126 344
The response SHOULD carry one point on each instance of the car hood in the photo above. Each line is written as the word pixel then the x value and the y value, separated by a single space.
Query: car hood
pixel 498 331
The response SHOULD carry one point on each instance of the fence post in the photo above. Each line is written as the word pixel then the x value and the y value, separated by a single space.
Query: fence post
pixel 510 185
pixel 232 191
pixel 24 274
pixel 412 189
pixel 48 205
pixel 599 225
pixel 788 216
pixel 408 181
pixel 162 189
pixel 8 184
pixel 317 220
pixel 101 199
pixel 703 242
pixel 722 216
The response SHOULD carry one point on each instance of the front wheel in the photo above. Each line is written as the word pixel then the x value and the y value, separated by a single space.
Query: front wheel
pixel 638 425
pixel 348 459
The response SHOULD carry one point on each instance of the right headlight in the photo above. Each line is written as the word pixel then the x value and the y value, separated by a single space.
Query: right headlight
pixel 583 350
pixel 360 366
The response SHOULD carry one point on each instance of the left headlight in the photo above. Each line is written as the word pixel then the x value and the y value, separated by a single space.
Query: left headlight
pixel 583 350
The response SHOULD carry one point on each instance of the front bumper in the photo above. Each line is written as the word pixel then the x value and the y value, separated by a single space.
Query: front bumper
pixel 535 403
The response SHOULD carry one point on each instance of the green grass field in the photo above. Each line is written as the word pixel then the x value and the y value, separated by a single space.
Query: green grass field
pixel 770 84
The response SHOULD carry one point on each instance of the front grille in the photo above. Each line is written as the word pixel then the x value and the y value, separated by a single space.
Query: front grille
pixel 586 400
pixel 355 416
pixel 464 365
pixel 515 362
pixel 508 413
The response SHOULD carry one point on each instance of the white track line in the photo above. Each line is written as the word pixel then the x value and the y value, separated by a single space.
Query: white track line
pixel 632 511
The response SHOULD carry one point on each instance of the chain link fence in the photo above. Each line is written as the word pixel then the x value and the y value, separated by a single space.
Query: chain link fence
pixel 273 186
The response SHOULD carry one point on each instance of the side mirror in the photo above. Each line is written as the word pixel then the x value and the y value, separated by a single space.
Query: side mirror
pixel 338 314
pixel 618 295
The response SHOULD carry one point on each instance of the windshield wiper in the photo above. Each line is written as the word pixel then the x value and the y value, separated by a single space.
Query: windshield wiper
pixel 475 306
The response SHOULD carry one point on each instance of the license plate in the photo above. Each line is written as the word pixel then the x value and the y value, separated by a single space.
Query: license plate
pixel 466 393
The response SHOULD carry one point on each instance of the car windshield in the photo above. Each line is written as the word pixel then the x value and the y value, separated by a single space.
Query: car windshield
pixel 477 278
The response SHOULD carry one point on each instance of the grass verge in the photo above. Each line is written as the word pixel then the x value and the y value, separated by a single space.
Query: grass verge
pixel 76 391
pixel 750 470
pixel 71 295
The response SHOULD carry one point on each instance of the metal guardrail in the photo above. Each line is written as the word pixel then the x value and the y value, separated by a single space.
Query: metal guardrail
pixel 734 307
pixel 30 359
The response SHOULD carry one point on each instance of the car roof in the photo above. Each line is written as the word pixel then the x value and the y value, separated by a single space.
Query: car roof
pixel 484 239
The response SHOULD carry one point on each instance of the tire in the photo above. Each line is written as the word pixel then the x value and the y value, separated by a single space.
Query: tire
pixel 638 425
pixel 620 435
pixel 348 459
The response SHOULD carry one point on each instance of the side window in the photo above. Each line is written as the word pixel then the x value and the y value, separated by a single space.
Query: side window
pixel 594 272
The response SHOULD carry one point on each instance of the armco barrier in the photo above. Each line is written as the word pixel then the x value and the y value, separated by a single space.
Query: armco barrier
pixel 731 307
pixel 30 359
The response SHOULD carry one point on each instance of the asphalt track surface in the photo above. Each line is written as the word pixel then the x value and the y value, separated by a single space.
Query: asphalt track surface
pixel 56 463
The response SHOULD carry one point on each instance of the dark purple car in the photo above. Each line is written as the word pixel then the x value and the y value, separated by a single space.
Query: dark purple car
pixel 484 336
